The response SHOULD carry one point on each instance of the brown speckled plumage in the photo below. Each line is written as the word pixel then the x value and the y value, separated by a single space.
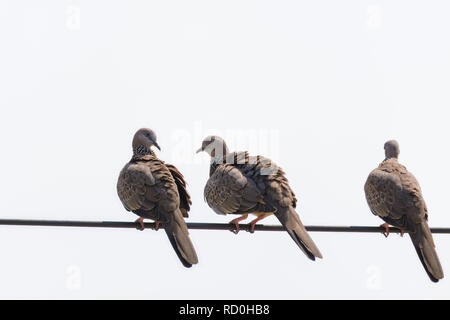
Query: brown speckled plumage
pixel 242 184
pixel 152 189
pixel 395 196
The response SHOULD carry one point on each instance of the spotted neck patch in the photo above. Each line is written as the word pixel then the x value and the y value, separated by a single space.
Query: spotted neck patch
pixel 142 151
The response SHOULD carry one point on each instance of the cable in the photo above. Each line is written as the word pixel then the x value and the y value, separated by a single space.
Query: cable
pixel 201 226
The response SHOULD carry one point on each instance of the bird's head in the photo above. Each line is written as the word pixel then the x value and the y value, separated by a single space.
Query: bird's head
pixel 215 146
pixel 143 140
pixel 391 149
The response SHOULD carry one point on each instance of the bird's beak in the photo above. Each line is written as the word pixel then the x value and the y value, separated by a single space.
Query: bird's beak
pixel 156 145
pixel 199 150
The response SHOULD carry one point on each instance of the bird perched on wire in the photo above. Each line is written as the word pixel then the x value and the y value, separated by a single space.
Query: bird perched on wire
pixel 395 196
pixel 240 184
pixel 155 190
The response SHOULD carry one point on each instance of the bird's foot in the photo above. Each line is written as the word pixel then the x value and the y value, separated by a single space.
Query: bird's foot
pixel 141 225
pixel 236 223
pixel 402 232
pixel 156 226
pixel 253 223
pixel 386 227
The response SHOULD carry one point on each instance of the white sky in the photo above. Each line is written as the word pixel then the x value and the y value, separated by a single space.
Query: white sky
pixel 317 85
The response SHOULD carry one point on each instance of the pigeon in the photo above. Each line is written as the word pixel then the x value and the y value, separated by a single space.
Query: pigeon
pixel 395 196
pixel 240 184
pixel 154 190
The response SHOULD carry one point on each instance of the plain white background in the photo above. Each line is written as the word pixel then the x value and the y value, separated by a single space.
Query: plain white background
pixel 318 86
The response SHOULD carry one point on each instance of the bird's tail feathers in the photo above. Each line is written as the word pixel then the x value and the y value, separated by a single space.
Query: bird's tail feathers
pixel 179 238
pixel 424 245
pixel 291 221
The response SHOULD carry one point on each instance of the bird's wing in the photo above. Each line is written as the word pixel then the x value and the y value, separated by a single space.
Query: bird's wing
pixel 270 179
pixel 279 194
pixel 228 191
pixel 185 198
pixel 384 194
pixel 414 202
pixel 133 186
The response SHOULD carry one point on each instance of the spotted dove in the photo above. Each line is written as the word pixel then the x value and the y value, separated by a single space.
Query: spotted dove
pixel 395 196
pixel 240 184
pixel 154 190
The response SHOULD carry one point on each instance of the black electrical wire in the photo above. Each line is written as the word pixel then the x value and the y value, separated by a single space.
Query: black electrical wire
pixel 201 226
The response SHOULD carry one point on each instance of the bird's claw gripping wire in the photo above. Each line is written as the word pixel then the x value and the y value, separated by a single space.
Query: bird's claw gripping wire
pixel 386 228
